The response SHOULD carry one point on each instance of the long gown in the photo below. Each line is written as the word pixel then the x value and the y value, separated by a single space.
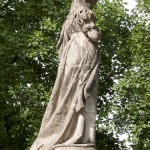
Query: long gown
pixel 74 93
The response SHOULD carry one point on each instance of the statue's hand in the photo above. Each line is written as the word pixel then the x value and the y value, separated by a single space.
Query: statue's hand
pixel 91 30
pixel 93 34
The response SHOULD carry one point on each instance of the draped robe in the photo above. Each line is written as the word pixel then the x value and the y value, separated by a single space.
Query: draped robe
pixel 74 93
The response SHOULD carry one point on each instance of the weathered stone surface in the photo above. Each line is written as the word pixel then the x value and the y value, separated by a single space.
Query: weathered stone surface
pixel 73 148
pixel 70 114
pixel 76 147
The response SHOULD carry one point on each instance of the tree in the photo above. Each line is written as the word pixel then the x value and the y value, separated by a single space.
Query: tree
pixel 131 99
pixel 28 65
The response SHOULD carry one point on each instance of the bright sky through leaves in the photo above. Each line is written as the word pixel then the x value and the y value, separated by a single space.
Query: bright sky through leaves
pixel 131 4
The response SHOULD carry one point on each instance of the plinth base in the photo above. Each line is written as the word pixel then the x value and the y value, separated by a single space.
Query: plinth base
pixel 75 147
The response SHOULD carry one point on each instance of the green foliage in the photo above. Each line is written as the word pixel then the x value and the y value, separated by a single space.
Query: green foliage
pixel 106 141
pixel 133 90
pixel 114 23
pixel 29 31
pixel 130 102
pixel 28 35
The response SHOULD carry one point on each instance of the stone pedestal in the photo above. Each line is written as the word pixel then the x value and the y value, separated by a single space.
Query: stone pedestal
pixel 76 147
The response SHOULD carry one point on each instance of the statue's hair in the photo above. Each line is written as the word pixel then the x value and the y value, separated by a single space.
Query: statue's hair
pixel 78 15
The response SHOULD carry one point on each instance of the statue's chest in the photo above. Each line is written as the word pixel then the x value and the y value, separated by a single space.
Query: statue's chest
pixel 80 48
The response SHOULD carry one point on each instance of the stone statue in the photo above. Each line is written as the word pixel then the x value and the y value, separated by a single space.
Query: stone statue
pixel 69 120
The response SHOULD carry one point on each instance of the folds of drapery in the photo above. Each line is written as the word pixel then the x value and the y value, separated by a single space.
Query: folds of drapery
pixel 75 82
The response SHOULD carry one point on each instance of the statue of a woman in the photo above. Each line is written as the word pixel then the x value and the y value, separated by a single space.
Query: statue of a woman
pixel 70 115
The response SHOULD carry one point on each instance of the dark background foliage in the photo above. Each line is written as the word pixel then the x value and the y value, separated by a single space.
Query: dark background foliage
pixel 29 31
